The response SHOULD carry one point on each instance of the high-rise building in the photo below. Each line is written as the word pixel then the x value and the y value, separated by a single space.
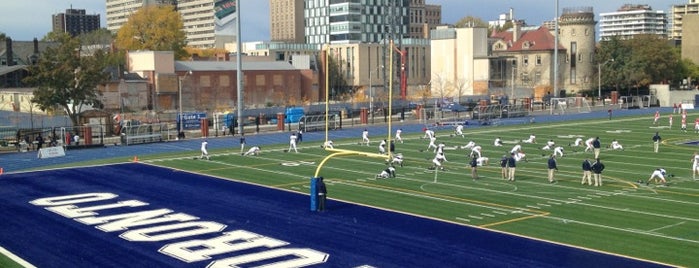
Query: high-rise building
pixel 75 22
pixel 207 23
pixel 423 18
pixel 349 21
pixel 677 12
pixel 630 20
pixel 286 21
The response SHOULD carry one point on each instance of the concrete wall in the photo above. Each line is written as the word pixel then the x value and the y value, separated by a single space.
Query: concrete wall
pixel 667 97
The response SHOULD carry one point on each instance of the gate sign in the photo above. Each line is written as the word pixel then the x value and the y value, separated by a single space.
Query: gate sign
pixel 191 120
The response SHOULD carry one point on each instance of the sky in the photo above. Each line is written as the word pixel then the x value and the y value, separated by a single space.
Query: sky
pixel 23 21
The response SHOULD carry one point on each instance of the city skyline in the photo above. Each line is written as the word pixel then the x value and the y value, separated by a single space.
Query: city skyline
pixel 23 22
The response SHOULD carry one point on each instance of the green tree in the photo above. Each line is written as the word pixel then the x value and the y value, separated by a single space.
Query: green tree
pixel 157 28
pixel 54 36
pixel 339 88
pixel 471 21
pixel 64 80
pixel 638 62
pixel 2 36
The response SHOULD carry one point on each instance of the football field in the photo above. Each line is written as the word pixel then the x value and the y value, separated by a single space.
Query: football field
pixel 648 223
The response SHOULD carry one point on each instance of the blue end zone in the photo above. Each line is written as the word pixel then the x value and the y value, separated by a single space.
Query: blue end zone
pixel 346 236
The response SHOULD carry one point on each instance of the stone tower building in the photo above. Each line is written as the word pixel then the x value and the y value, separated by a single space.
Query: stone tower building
pixel 577 70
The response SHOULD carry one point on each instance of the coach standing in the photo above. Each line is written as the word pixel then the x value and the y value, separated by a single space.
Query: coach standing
pixel 511 167
pixel 597 168
pixel 587 172
pixel 656 142
pixel 552 168
pixel 596 146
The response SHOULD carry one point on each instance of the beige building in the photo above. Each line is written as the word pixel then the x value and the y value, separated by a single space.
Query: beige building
pixel 524 57
pixel 677 12
pixel 364 65
pixel 286 21
pixel 690 38
pixel 459 62
pixel 198 16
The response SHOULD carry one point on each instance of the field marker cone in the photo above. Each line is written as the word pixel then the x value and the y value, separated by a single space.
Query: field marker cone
pixel 135 158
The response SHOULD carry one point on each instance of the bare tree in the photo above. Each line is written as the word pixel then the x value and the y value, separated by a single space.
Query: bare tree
pixel 440 86
pixel 459 86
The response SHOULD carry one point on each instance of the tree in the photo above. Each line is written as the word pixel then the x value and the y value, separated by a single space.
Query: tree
pixel 460 88
pixel 338 84
pixel 65 80
pixel 2 36
pixel 157 28
pixel 96 40
pixel 639 62
pixel 54 36
pixel 470 21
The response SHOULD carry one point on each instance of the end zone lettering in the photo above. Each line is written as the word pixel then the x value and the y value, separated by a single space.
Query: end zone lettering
pixel 166 225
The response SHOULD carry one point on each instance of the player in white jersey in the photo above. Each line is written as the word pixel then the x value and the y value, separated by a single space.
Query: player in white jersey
pixel 658 174
pixel 516 148
pixel 615 145
pixel 389 172
pixel 397 159
pixel 328 145
pixel 432 144
pixel 382 147
pixel 497 142
pixel 398 137
pixel 482 161
pixel 476 151
pixel 459 131
pixel 440 148
pixel 532 139
pixel 437 161
pixel 558 151
pixel 519 156
pixel 365 137
pixel 428 134
pixel 255 150
pixel 588 144
pixel 469 145
pixel 204 151
pixel 292 142
pixel 578 142
pixel 549 145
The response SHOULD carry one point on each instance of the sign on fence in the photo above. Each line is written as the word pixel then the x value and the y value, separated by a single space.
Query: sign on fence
pixel 191 120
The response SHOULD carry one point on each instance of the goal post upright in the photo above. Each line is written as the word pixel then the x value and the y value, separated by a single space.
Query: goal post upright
pixel 343 152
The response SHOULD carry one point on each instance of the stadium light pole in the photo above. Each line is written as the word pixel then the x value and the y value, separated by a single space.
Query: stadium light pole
pixel 599 77
pixel 180 100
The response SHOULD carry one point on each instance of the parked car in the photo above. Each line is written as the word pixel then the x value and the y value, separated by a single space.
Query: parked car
pixel 454 107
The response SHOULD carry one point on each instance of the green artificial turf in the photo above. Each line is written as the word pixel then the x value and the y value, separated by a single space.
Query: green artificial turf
pixel 622 217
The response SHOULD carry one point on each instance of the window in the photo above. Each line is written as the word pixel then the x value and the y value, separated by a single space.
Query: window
pixel 538 59
pixel 525 59
pixel 573 76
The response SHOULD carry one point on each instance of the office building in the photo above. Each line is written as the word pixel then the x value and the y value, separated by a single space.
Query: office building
pixel 423 18
pixel 630 20
pixel 75 22
pixel 349 21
